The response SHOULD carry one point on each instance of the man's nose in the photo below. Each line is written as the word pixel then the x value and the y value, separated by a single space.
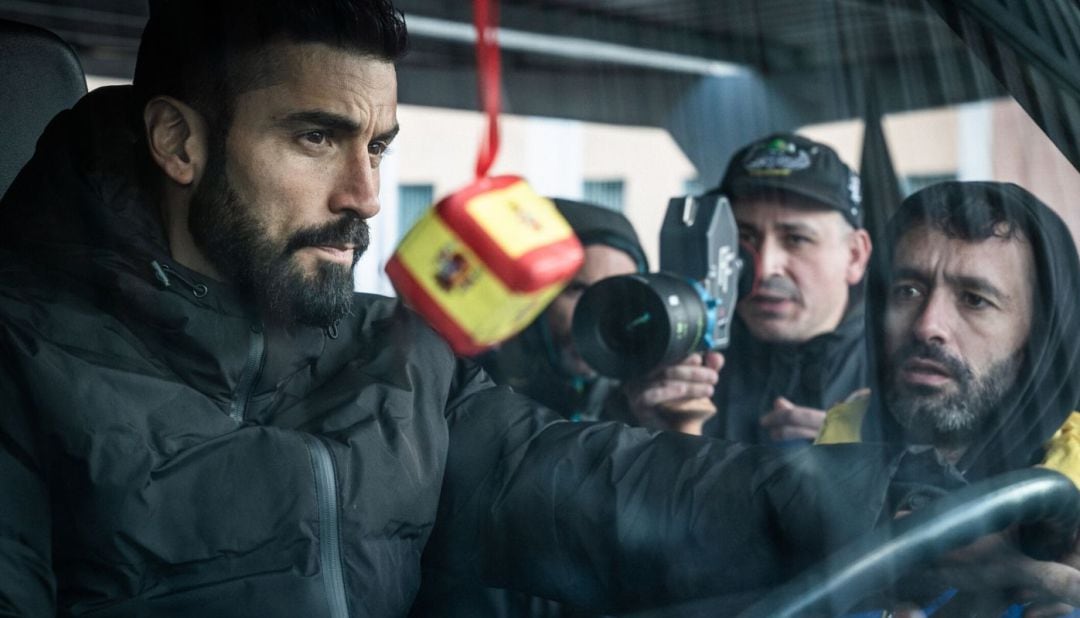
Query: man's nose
pixel 357 186
pixel 772 259
pixel 932 322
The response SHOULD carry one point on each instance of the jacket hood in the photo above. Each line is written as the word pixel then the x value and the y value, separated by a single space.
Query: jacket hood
pixel 1048 388
pixel 84 206
pixel 596 225
pixel 78 191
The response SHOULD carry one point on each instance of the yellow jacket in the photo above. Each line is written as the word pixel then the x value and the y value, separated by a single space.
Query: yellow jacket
pixel 843 423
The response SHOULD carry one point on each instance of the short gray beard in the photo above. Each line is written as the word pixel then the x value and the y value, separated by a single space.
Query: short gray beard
pixel 952 420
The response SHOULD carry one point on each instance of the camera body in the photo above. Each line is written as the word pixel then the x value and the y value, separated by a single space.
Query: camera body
pixel 627 326
pixel 699 240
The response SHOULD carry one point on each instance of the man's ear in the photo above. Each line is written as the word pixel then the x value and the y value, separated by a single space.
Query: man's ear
pixel 177 135
pixel 859 246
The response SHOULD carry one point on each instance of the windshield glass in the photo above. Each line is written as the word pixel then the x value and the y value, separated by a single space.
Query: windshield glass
pixel 898 181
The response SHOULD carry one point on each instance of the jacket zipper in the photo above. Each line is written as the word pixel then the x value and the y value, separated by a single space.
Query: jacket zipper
pixel 165 274
pixel 249 376
pixel 321 462
pixel 329 533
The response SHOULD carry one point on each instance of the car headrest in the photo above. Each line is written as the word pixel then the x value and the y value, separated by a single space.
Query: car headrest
pixel 40 76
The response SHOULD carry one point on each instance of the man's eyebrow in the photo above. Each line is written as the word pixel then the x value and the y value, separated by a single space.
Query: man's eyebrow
pixel 745 224
pixel 796 226
pixel 906 272
pixel 978 284
pixel 972 283
pixel 387 136
pixel 320 119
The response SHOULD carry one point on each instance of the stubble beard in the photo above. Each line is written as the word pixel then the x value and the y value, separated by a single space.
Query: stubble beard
pixel 264 270
pixel 949 419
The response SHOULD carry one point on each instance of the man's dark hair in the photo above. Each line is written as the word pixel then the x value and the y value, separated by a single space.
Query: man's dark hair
pixel 969 211
pixel 200 51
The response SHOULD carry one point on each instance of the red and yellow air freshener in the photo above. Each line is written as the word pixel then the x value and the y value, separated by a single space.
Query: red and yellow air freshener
pixel 484 262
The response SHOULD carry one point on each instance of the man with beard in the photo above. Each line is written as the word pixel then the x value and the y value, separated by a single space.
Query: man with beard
pixel 973 316
pixel 797 340
pixel 199 417
pixel 974 329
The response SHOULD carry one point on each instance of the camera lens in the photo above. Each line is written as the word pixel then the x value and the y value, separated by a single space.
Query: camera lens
pixel 624 327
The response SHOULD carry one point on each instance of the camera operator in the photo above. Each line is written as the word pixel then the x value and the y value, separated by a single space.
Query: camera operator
pixel 797 340
pixel 543 363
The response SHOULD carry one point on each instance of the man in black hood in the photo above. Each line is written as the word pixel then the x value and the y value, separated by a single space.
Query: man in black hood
pixel 974 320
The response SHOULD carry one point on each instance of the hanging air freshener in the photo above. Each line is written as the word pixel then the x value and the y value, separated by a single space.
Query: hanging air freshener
pixel 484 262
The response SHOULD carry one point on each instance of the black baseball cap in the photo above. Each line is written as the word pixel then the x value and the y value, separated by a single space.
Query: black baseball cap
pixel 791 163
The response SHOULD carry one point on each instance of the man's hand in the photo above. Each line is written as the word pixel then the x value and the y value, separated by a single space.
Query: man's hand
pixel 992 573
pixel 788 421
pixel 693 378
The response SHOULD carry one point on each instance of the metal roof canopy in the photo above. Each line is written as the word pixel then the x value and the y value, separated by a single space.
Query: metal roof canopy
pixel 715 73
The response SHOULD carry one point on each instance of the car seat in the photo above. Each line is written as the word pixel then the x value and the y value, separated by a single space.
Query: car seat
pixel 40 75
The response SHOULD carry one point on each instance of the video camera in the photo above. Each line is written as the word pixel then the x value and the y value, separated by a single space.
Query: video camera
pixel 627 326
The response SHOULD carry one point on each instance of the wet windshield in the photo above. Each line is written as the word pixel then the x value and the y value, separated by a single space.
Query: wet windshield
pixel 863 212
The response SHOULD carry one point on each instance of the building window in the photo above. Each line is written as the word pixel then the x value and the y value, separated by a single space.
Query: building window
pixel 911 184
pixel 413 200
pixel 606 193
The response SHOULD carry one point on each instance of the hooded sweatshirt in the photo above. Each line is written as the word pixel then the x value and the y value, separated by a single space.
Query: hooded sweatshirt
pixel 1048 387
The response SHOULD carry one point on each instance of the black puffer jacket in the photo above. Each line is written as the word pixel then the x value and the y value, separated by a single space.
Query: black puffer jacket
pixel 164 454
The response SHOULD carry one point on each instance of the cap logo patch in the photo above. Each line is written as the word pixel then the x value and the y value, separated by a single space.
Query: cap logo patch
pixel 779 157
pixel 854 187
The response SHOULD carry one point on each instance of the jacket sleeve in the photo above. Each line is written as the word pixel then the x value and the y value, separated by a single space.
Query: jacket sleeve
pixel 27 585
pixel 608 517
